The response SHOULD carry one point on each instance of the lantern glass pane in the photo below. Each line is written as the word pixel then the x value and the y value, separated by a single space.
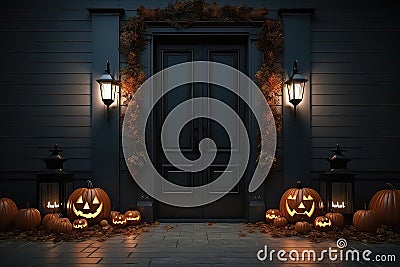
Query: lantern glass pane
pixel 298 90
pixel 49 197
pixel 106 91
pixel 342 198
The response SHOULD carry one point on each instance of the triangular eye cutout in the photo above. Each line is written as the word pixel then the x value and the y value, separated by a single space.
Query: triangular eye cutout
pixel 95 201
pixel 80 200
pixel 308 198
pixel 291 197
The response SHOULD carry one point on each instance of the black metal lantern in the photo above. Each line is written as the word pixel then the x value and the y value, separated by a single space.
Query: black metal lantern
pixel 108 87
pixel 337 185
pixel 53 184
pixel 295 86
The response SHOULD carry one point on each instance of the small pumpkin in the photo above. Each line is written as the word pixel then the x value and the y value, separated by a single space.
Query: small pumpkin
pixel 92 204
pixel 322 223
pixel 302 227
pixel 80 224
pixel 8 210
pixel 113 213
pixel 301 204
pixel 133 217
pixel 336 218
pixel 386 203
pixel 28 218
pixel 280 221
pixel 366 220
pixel 103 223
pixel 51 216
pixel 61 225
pixel 119 220
pixel 271 214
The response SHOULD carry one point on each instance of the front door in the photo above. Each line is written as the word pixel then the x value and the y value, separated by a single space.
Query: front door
pixel 169 52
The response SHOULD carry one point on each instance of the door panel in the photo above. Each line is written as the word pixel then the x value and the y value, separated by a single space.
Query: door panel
pixel 231 206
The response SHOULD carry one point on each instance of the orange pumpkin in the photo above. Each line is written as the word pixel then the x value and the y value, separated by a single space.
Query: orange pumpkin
pixel 92 204
pixel 28 218
pixel 80 224
pixel 302 227
pixel 386 203
pixel 133 217
pixel 271 214
pixel 366 220
pixel 113 213
pixel 301 204
pixel 280 221
pixel 61 225
pixel 51 216
pixel 119 220
pixel 336 218
pixel 8 210
pixel 103 223
pixel 322 223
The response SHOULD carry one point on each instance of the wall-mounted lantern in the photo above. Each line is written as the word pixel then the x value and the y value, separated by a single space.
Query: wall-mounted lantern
pixel 295 86
pixel 337 185
pixel 53 184
pixel 108 87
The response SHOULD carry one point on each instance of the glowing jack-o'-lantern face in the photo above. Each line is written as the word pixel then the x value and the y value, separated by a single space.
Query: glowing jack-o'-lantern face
pixel 92 204
pixel 119 220
pixel 80 224
pixel 271 214
pixel 133 217
pixel 322 223
pixel 301 204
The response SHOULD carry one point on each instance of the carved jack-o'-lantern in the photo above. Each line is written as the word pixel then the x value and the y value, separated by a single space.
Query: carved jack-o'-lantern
pixel 301 204
pixel 92 204
pixel 271 214
pixel 80 224
pixel 119 220
pixel 322 223
pixel 133 217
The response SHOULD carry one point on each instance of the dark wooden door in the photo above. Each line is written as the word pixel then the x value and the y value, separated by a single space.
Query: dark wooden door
pixel 169 53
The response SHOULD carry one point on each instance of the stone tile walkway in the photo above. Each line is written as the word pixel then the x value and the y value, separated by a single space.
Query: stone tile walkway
pixel 187 244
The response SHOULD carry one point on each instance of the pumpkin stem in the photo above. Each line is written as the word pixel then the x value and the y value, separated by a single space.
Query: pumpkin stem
pixel 365 205
pixel 27 205
pixel 391 186
pixel 89 184
pixel 299 185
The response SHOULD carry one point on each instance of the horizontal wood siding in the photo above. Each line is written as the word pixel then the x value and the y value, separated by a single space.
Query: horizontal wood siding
pixel 355 91
pixel 46 77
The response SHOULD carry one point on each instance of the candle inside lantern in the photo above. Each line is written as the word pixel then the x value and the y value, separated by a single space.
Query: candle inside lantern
pixel 52 206
pixel 338 205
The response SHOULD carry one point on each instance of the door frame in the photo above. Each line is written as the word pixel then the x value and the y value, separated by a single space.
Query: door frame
pixel 254 202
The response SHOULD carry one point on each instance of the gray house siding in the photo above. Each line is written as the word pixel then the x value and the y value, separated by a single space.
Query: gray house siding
pixel 46 79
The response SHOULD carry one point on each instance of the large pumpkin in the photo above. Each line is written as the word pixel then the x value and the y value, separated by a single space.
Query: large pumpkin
pixel 301 204
pixel 366 220
pixel 8 210
pixel 92 204
pixel 386 203
pixel 28 218
pixel 61 225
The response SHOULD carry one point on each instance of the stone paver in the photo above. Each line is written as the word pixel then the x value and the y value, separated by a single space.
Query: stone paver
pixel 186 244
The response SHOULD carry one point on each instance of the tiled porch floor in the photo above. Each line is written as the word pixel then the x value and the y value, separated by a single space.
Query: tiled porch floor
pixel 189 244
